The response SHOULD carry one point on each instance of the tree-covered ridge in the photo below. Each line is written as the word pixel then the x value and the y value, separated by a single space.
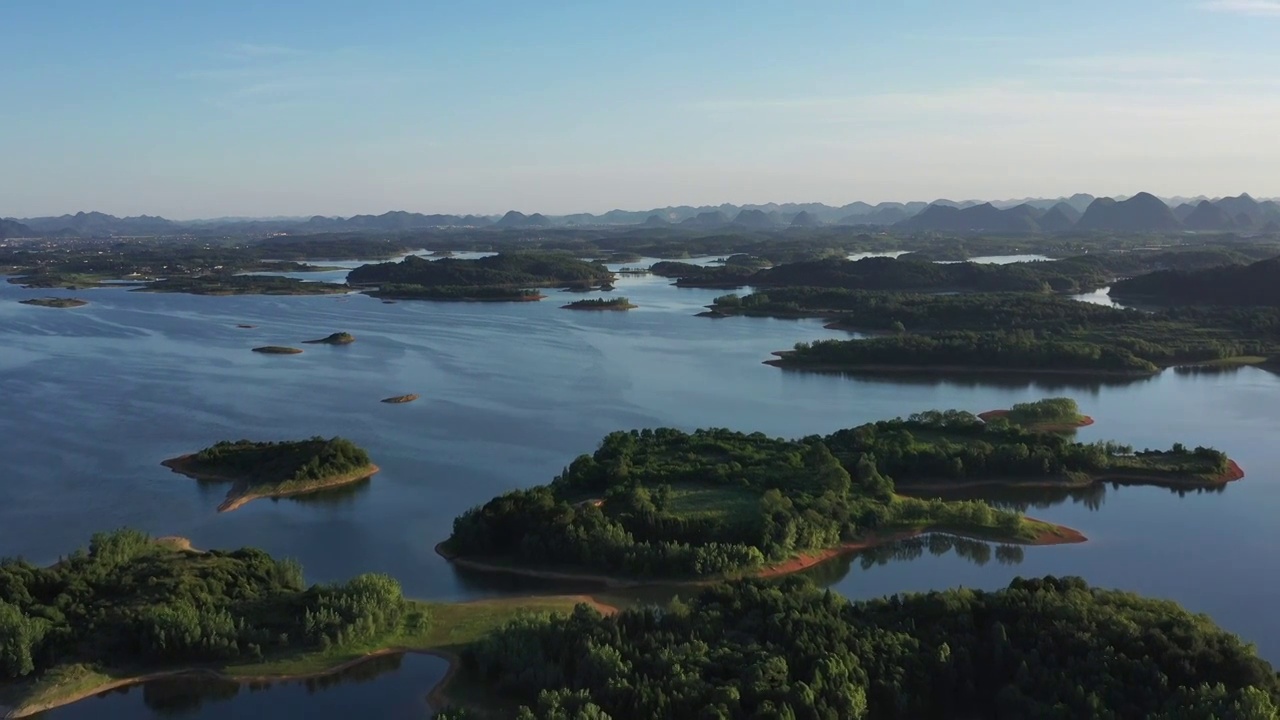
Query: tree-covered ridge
pixel 1049 411
pixel 457 293
pixel 1256 284
pixel 665 503
pixel 957 446
pixel 229 284
pixel 281 462
pixel 507 269
pixel 1042 648
pixel 128 600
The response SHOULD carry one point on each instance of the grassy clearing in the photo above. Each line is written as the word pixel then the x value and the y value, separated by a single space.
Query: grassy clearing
pixel 707 502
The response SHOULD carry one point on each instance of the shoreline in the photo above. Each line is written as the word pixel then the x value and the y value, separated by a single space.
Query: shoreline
pixel 1064 536
pixel 782 362
pixel 436 697
pixel 1136 479
pixel 182 466
pixel 599 307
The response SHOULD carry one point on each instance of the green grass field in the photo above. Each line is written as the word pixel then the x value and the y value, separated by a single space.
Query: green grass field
pixel 706 502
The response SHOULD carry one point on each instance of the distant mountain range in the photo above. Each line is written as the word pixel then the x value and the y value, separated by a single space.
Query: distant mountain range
pixel 1139 213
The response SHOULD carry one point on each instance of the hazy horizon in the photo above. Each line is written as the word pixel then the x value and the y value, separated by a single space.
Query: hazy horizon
pixel 245 110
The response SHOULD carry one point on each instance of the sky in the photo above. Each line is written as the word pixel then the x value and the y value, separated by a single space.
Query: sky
pixel 234 108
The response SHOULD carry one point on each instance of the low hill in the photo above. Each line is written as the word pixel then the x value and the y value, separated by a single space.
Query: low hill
pixel 96 224
pixel 1256 284
pixel 517 269
pixel 1207 217
pixel 804 219
pixel 708 219
pixel 754 219
pixel 13 228
pixel 514 219
pixel 1143 212
pixel 1059 218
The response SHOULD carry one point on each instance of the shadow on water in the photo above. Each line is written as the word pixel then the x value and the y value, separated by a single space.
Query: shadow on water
pixel 333 497
pixel 1024 499
pixel 1011 380
pixel 978 552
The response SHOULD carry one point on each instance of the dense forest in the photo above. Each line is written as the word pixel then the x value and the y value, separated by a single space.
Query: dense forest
pixel 279 463
pixel 1021 332
pixel 1050 411
pixel 1256 284
pixel 667 503
pixel 1042 649
pixel 954 445
pixel 129 600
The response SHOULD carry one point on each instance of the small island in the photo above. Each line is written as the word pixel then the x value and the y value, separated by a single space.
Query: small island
pixel 401 399
pixel 277 350
pixel 246 327
pixel 1048 415
pixel 617 303
pixel 146 609
pixel 505 277
pixel 55 302
pixel 276 469
pixel 338 338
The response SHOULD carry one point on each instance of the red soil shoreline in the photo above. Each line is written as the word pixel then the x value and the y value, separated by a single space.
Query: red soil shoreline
pixel 1065 536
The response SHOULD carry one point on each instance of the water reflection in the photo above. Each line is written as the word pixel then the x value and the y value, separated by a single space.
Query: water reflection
pixel 937 545
pixel 1011 379
pixel 393 686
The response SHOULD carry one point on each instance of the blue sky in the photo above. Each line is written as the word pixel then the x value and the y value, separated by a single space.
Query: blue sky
pixel 252 108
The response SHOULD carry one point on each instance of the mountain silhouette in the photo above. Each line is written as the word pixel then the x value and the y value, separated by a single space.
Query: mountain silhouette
pixel 804 220
pixel 978 218
pixel 1059 218
pixel 1143 212
pixel 1208 217
pixel 708 219
pixel 754 219
pixel 13 228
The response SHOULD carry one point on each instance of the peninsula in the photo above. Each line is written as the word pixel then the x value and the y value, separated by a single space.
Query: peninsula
pixel 338 338
pixel 237 615
pixel 277 350
pixel 665 505
pixel 617 303
pixel 55 302
pixel 276 469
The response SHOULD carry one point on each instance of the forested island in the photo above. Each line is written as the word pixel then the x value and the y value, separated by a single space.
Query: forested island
pixel 400 399
pixel 1010 332
pixel 1048 415
pixel 277 350
pixel 242 285
pixel 130 608
pixel 1051 648
pixel 669 505
pixel 664 504
pixel 338 338
pixel 55 302
pixel 276 469
pixel 1256 284
pixel 508 276
pixel 617 303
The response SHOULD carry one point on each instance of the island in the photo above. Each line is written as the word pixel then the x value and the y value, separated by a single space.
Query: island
pixel 1048 415
pixel 338 338
pixel 276 469
pixel 242 285
pixel 55 302
pixel 665 505
pixel 1256 284
pixel 277 350
pixel 505 277
pixel 1039 648
pixel 243 326
pixel 130 608
pixel 617 303
pixel 401 399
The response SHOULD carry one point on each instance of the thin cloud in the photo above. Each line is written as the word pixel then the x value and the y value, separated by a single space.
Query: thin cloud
pixel 254 51
pixel 1256 8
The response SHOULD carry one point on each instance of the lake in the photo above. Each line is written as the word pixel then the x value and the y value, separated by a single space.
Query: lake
pixel 96 397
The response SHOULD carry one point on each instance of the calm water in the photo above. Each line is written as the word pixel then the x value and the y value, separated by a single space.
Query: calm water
pixel 96 397
pixel 393 687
